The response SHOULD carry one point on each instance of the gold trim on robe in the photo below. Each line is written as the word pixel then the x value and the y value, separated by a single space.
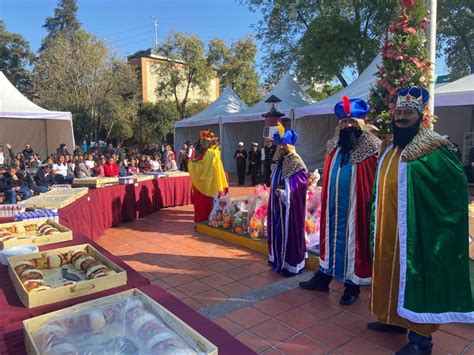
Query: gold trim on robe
pixel 386 272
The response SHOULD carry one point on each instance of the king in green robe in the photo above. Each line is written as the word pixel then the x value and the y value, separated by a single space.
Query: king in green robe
pixel 420 236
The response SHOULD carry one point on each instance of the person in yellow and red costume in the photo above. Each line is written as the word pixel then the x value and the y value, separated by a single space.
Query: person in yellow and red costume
pixel 207 175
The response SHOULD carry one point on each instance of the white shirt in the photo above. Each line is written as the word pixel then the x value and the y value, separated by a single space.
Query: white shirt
pixel 2 159
pixel 60 169
pixel 89 164
pixel 155 165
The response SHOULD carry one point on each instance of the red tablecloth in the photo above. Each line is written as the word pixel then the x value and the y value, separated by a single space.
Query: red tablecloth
pixel 106 207
pixel 12 310
pixel 12 339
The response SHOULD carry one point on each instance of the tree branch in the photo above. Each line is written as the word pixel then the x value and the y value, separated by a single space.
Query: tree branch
pixel 341 79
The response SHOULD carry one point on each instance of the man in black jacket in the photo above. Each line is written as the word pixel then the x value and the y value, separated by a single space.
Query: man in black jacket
pixel 13 183
pixel 44 177
pixel 27 152
pixel 255 157
pixel 9 194
pixel 240 156
pixel 62 150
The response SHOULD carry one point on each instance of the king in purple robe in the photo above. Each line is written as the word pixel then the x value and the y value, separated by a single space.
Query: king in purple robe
pixel 287 206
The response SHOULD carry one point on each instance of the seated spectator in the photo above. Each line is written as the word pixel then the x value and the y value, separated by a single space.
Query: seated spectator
pixel 34 161
pixel 44 177
pixel 60 167
pixel 90 162
pixel 13 183
pixel 6 155
pixel 80 169
pixel 132 168
pixel 21 159
pixel 70 166
pixel 144 164
pixel 27 181
pixel 155 163
pixel 171 163
pixel 95 150
pixel 27 152
pixel 99 168
pixel 61 171
pixel 111 168
pixel 10 195
pixel 122 166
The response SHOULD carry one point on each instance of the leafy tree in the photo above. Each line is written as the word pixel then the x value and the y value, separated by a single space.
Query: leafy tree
pixel 81 74
pixel 155 121
pixel 64 21
pixel 324 91
pixel 186 69
pixel 302 34
pixel 236 67
pixel 456 35
pixel 15 57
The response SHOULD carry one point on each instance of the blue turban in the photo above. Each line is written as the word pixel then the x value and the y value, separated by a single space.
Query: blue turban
pixel 355 108
pixel 290 137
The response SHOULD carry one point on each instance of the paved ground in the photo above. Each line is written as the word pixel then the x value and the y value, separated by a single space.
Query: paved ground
pixel 235 287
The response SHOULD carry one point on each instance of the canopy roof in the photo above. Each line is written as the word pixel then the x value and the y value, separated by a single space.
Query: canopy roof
pixel 287 90
pixel 227 103
pixel 457 93
pixel 359 88
pixel 14 105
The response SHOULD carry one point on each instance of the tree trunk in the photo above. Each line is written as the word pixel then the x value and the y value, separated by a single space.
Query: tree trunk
pixel 342 80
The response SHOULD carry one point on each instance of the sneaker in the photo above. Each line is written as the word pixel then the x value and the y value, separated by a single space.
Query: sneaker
pixel 386 328
pixel 314 284
pixel 347 300
pixel 413 349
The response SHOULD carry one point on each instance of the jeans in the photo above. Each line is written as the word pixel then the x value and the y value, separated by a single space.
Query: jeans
pixel 25 193
pixel 39 189
pixel 10 197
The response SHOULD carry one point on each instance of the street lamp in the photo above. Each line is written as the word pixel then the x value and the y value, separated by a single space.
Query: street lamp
pixel 273 117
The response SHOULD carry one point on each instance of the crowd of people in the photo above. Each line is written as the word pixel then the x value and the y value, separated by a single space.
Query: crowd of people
pixel 25 173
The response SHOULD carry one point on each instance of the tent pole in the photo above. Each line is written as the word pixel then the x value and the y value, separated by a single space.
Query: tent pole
pixel 46 136
pixel 220 136
pixel 432 6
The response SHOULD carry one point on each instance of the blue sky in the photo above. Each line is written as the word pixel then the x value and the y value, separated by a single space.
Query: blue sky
pixel 127 24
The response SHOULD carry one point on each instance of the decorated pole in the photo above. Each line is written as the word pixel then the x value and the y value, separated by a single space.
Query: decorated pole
pixel 406 62
pixel 432 5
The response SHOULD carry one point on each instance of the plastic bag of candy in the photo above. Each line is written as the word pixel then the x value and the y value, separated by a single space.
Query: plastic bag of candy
pixel 240 222
pixel 216 217
pixel 258 212
pixel 313 214
pixel 228 212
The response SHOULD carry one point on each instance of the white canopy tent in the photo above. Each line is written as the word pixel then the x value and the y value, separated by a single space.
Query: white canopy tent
pixel 209 118
pixel 22 121
pixel 316 123
pixel 454 106
pixel 247 126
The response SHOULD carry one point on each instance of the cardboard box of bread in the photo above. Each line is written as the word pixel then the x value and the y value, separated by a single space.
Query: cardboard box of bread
pixel 32 232
pixel 129 322
pixel 61 274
